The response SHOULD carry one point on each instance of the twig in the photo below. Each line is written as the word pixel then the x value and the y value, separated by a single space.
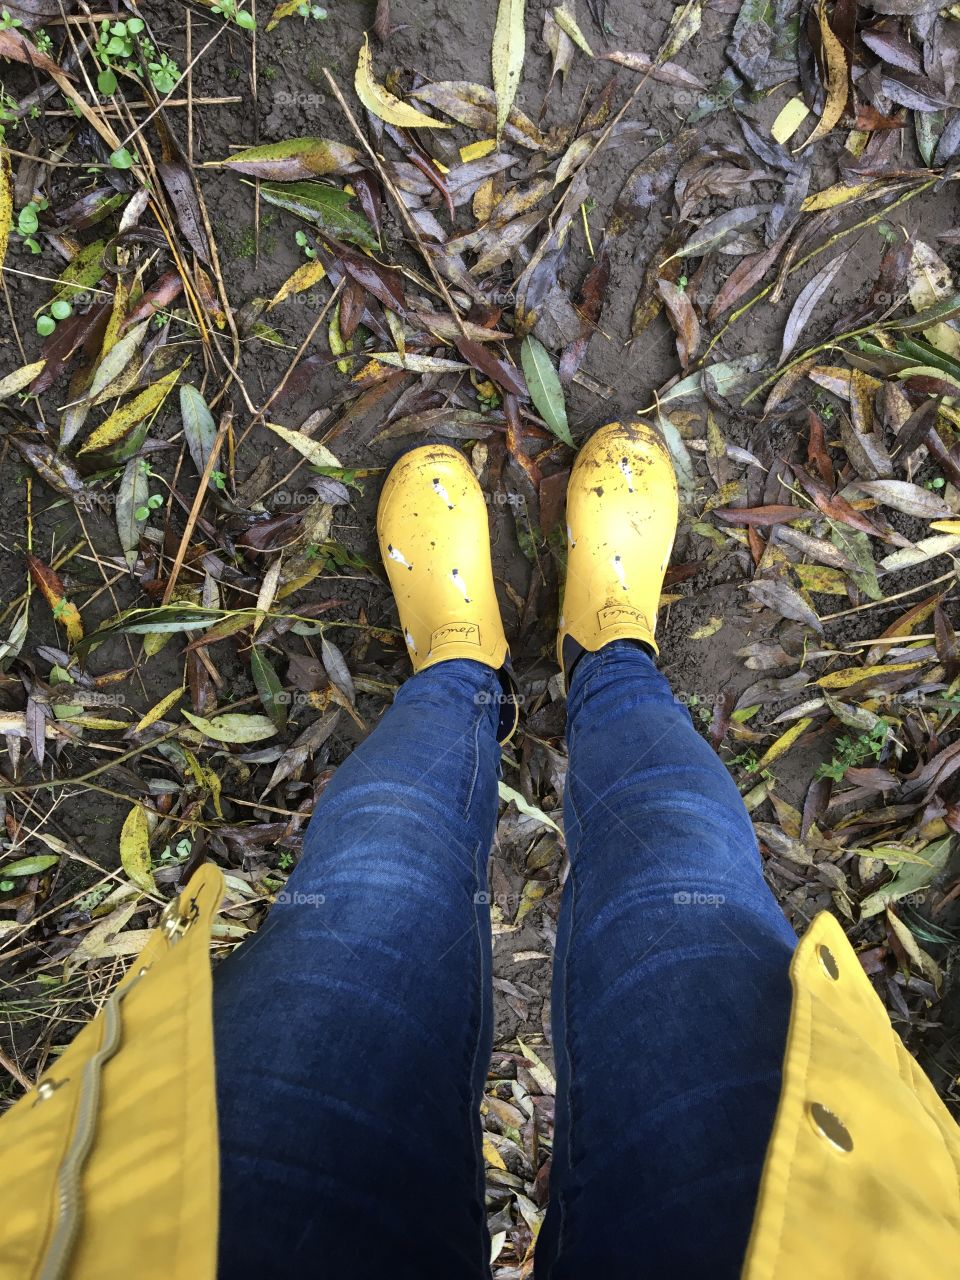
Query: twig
pixel 292 365
pixel 198 500
pixel 401 206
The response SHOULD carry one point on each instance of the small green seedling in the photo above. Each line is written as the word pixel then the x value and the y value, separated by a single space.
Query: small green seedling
pixel 28 222
pixel 229 11
pixel 6 22
pixel 152 504
pixel 850 752
pixel 304 243
pixel 313 11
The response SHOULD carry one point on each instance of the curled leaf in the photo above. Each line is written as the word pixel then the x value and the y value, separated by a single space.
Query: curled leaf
pixel 382 103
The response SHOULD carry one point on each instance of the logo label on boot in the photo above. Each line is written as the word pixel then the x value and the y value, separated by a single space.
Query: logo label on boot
pixel 455 632
pixel 616 615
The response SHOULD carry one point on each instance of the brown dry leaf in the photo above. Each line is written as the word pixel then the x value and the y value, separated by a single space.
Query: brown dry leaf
pixel 683 319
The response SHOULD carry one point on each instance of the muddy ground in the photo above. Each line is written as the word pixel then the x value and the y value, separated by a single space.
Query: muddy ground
pixel 451 40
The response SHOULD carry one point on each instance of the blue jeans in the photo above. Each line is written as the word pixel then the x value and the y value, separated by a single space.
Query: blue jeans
pixel 353 1032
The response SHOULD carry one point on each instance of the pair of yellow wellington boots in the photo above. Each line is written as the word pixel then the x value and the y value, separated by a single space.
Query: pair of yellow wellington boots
pixel 435 541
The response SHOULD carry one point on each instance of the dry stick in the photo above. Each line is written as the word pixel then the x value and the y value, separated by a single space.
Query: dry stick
pixel 13 321
pixel 162 102
pixel 256 135
pixel 401 207
pixel 201 494
pixel 116 602
pixel 10 788
pixel 876 604
pixel 138 104
pixel 293 363
pixel 11 1067
pixel 189 52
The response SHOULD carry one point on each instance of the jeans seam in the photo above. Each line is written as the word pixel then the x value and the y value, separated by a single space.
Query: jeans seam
pixel 475 1122
pixel 568 1088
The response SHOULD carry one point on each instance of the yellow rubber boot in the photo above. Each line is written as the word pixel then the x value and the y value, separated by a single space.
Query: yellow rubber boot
pixel 435 541
pixel 621 522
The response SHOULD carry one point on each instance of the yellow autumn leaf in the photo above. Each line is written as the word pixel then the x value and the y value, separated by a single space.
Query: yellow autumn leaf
pixel 305 277
pixel 708 629
pixel 946 526
pixel 6 201
pixel 784 743
pixel 135 849
pixel 817 577
pixel 491 1155
pixel 477 150
pixel 853 675
pixel 312 450
pixel 124 419
pixel 838 194
pixel 50 586
pixel 539 1070
pixel 789 120
pixel 286 9
pixel 507 57
pixel 568 25
pixel 837 84
pixel 160 710
pixel 385 105
pixel 22 377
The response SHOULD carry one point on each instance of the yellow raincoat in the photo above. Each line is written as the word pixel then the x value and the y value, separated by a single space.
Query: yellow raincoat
pixel 108 1169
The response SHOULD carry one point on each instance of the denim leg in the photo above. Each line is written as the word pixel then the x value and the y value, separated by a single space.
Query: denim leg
pixel 353 1032
pixel 671 994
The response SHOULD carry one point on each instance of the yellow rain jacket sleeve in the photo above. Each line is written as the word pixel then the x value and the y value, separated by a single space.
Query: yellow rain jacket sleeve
pixel 108 1169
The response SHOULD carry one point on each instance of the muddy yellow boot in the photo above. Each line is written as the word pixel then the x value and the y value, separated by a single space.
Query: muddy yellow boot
pixel 435 541
pixel 621 522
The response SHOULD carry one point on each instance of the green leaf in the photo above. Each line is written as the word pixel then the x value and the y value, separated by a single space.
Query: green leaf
pixel 29 866
pixel 857 547
pixel 327 206
pixel 199 427
pixel 268 687
pixel 545 389
pixel 233 727
pixel 121 158
pixel 911 878
pixel 45 325
pixel 107 83
pixel 131 509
